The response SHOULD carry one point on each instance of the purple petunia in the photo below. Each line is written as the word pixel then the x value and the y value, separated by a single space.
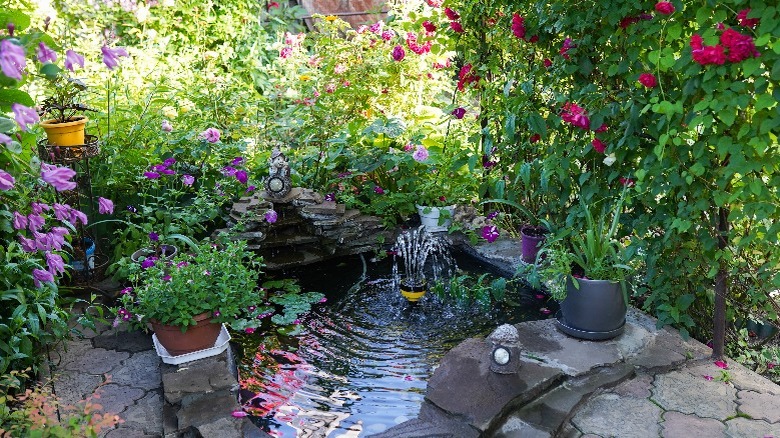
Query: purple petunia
pixel 237 161
pixel 271 216
pixel 151 175
pixel 459 112
pixel 490 233
pixel 241 176
pixel 420 153
pixel 187 180
pixel 379 190
pixel 148 262
pixel 154 237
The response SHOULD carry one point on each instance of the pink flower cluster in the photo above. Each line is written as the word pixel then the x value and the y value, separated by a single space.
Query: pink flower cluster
pixel 466 77
pixel 744 21
pixel 567 44
pixel 518 26
pixel 411 41
pixel 453 17
pixel 733 47
pixel 575 115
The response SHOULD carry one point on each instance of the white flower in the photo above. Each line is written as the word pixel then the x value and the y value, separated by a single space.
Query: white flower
pixel 169 112
pixel 142 13
pixel 610 159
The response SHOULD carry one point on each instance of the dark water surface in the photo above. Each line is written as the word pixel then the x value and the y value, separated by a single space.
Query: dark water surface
pixel 364 357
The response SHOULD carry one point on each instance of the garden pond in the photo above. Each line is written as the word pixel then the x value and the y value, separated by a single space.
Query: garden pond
pixel 362 359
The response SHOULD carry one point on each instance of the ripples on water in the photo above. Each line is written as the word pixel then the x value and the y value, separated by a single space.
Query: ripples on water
pixel 363 360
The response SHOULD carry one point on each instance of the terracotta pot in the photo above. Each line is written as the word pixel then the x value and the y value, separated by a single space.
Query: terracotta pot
pixel 533 238
pixel 197 337
pixel 70 133
pixel 595 311
pixel 413 293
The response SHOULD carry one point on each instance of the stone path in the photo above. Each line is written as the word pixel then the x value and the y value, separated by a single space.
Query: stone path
pixel 122 368
pixel 644 383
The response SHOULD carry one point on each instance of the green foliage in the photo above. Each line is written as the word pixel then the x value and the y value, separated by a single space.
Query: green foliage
pixel 464 289
pixel 218 279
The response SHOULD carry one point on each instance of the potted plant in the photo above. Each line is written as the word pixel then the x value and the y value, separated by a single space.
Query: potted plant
pixel 587 272
pixel 186 298
pixel 66 128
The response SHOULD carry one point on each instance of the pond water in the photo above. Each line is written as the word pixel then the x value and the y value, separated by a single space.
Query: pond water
pixel 363 359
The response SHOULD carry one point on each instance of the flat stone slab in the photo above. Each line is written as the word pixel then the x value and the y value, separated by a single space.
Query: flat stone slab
pixel 206 408
pixel 142 370
pixel 145 415
pixel 121 340
pixel 612 415
pixel 571 356
pixel 205 375
pixel 468 366
pixel 693 394
pixel 73 386
pixel 760 406
pixel 548 412
pixel 116 398
pixel 677 425
pixel 96 360
pixel 743 427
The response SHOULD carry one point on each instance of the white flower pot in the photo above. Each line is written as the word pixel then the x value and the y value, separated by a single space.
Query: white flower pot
pixel 429 216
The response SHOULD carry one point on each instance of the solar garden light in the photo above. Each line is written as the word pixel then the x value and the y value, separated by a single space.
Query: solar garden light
pixel 505 354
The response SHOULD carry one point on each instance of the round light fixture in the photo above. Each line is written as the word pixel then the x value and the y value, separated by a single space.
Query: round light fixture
pixel 501 355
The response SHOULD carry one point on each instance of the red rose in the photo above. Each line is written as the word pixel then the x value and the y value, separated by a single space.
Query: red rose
pixel 665 8
pixel 598 145
pixel 648 80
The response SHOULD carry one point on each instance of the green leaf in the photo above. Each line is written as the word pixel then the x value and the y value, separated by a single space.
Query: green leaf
pixel 50 70
pixel 764 101
pixel 9 96
pixel 19 19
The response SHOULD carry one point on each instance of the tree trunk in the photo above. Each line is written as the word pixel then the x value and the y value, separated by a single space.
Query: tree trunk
pixel 721 288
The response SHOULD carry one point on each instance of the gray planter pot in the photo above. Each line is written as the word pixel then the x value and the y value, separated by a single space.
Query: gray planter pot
pixel 595 311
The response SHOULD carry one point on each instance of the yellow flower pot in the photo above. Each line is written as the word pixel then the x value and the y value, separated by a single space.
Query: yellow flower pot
pixel 70 133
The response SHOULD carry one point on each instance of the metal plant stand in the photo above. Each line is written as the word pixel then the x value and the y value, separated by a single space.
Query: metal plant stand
pixel 87 263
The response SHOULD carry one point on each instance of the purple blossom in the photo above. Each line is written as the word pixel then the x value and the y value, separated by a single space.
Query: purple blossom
pixel 28 245
pixel 229 171
pixel 217 314
pixel 159 168
pixel 20 221
pixel 492 215
pixel 182 264
pixel 271 216
pixel 379 190
pixel 61 212
pixel 40 275
pixel 132 209
pixel 168 172
pixel 56 240
pixel 105 206
pixel 12 60
pixel 55 263
pixel 7 181
pixel 237 161
pixel 398 53
pixel 59 232
pixel 39 207
pixel 111 56
pixel 154 237
pixel 187 180
pixel 388 35
pixel 241 176
pixel 59 177
pixel 459 112
pixel 169 162
pixel 166 126
pixel 166 278
pixel 330 197
pixel 211 135
pixel 4 139
pixel 126 291
pixel 148 262
pixel 250 189
pixel 76 216
pixel 35 222
pixel 206 272
pixel 151 175
pixel 377 27
pixel 45 54
pixel 72 59
pixel 24 115
pixel 420 153
pixel 490 233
